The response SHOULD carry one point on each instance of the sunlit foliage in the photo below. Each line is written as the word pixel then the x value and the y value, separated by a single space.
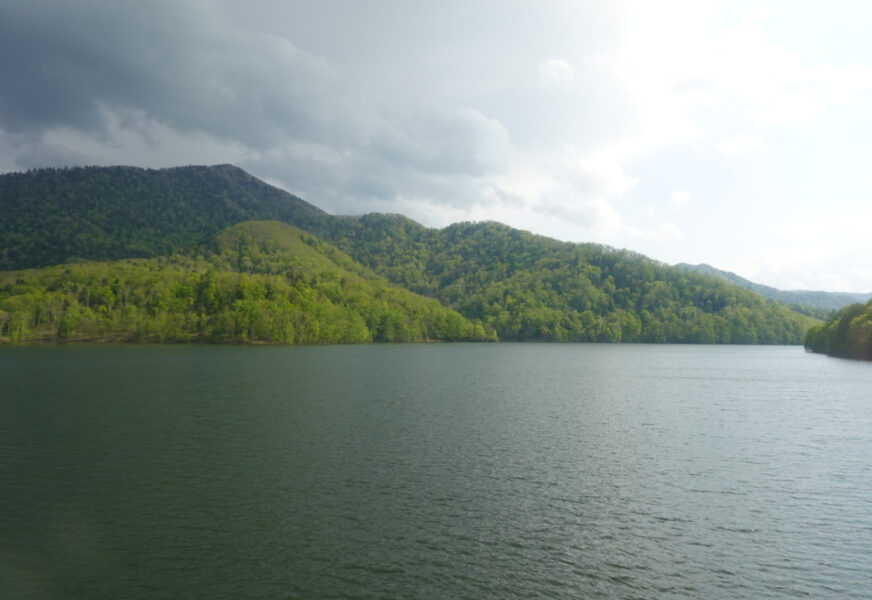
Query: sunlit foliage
pixel 529 287
pixel 258 282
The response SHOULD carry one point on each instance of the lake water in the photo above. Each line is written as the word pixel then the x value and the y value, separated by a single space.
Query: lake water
pixel 434 471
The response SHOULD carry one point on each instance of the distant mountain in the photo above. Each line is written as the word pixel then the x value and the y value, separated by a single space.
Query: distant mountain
pixel 813 303
pixel 501 280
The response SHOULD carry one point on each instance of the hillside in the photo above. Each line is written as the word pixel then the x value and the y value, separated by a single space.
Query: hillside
pixel 519 285
pixel 52 216
pixel 255 282
pixel 812 303
pixel 847 334
pixel 530 287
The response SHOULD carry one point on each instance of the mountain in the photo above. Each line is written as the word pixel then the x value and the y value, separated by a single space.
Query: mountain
pixel 51 216
pixel 505 281
pixel 812 303
pixel 254 282
pixel 530 287
pixel 847 334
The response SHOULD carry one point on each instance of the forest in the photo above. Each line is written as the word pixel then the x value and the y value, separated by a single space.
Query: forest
pixel 847 334
pixel 258 282
pixel 530 287
pixel 187 254
pixel 51 216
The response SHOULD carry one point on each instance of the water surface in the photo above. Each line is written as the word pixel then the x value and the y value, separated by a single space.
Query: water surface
pixel 434 471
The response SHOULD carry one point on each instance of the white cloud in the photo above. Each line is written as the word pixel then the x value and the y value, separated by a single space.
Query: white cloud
pixel 842 84
pixel 840 229
pixel 739 144
pixel 575 193
pixel 556 71
pixel 775 86
pixel 859 279
pixel 688 76
pixel 590 215
pixel 680 198
pixel 663 232
pixel 787 275
pixel 761 12
pixel 600 178
pixel 825 253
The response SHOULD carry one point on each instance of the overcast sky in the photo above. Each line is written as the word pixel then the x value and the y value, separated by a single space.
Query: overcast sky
pixel 733 133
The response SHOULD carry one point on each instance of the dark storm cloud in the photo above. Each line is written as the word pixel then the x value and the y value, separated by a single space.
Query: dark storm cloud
pixel 461 141
pixel 432 154
pixel 65 64
pixel 94 69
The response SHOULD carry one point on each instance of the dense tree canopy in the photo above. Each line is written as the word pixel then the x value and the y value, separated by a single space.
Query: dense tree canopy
pixel 53 215
pixel 530 287
pixel 257 282
pixel 847 334
pixel 489 279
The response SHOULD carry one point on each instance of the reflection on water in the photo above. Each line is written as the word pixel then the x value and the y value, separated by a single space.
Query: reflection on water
pixel 478 471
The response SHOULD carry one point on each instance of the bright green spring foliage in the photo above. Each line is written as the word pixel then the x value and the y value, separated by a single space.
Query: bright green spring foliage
pixel 529 287
pixel 846 334
pixel 258 282
pixel 502 281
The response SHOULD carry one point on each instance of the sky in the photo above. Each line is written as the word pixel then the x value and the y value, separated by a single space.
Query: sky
pixel 730 133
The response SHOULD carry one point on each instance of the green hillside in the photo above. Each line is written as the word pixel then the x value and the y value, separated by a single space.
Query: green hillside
pixel 530 287
pixel 819 305
pixel 510 282
pixel 52 216
pixel 255 282
pixel 847 334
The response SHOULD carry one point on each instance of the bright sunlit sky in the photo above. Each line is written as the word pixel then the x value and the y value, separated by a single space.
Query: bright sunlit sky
pixel 732 133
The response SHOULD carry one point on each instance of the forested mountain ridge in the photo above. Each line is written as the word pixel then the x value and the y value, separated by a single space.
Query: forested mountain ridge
pixel 519 285
pixel 817 304
pixel 50 216
pixel 847 334
pixel 530 287
pixel 264 282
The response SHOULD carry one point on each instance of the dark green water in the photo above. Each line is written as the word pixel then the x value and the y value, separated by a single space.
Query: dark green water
pixel 434 471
